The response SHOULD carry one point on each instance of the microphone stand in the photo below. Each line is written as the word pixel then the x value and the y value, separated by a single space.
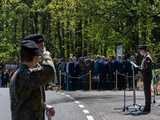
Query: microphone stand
pixel 134 87
pixel 124 97
pixel 154 88
pixel 135 107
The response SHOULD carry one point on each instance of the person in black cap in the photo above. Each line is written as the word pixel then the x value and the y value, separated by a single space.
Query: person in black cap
pixel 46 58
pixel 25 87
pixel 37 38
pixel 146 68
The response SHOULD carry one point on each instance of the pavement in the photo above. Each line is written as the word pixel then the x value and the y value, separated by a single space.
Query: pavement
pixel 88 105
pixel 108 105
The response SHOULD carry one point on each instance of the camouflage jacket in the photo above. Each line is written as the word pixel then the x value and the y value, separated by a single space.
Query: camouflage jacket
pixel 26 92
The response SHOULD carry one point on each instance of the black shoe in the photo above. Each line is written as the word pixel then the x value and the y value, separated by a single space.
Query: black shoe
pixel 146 111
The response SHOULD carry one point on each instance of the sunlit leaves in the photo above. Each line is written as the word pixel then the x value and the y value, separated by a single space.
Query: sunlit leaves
pixel 95 25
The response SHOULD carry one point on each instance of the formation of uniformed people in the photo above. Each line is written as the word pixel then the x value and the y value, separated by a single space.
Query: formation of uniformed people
pixel 27 83
pixel 103 73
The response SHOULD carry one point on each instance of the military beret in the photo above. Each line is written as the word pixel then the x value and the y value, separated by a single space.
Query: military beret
pixel 31 47
pixel 142 47
pixel 37 38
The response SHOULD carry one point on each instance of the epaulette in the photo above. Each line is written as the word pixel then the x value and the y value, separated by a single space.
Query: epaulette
pixel 148 56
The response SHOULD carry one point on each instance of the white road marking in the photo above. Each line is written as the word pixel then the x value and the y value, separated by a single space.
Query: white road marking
pixel 86 111
pixel 81 106
pixel 77 102
pixel 89 117
pixel 68 96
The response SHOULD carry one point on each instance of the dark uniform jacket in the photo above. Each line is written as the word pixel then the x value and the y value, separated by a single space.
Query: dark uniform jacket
pixel 146 67
pixel 27 94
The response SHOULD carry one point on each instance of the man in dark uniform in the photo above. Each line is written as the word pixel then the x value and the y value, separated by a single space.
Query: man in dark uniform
pixel 103 73
pixel 26 98
pixel 146 68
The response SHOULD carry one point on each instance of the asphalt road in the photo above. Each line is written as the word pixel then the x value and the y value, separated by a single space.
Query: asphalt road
pixel 66 108
pixel 107 105
pixel 83 105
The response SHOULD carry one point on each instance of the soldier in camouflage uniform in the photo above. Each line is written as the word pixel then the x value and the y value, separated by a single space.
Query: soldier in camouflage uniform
pixel 25 89
pixel 146 68
pixel 46 58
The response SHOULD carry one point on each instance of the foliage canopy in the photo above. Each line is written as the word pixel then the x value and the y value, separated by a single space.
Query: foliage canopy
pixel 80 27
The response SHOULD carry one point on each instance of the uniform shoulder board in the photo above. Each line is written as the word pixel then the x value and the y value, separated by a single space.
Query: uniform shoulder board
pixel 149 58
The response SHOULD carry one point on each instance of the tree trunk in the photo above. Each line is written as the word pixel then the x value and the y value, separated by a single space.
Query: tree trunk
pixel 23 25
pixel 35 18
pixel 60 37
